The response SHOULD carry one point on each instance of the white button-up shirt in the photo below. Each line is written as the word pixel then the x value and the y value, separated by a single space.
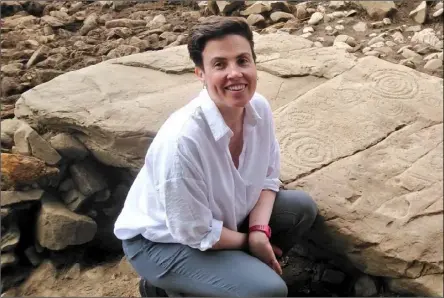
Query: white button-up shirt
pixel 189 188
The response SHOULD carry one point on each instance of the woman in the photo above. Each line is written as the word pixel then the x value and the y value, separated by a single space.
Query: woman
pixel 199 216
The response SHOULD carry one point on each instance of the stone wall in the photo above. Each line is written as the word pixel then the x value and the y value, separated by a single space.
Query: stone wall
pixel 55 195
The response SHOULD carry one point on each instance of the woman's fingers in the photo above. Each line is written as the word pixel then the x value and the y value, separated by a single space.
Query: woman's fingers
pixel 277 267
pixel 277 250
pixel 274 264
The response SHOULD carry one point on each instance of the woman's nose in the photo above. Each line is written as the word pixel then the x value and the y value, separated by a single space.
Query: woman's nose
pixel 234 72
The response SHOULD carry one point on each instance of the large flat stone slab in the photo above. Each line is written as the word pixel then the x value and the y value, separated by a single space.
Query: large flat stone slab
pixel 367 145
pixel 352 112
pixel 116 107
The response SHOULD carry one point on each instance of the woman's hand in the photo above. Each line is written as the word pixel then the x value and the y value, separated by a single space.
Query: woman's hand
pixel 261 248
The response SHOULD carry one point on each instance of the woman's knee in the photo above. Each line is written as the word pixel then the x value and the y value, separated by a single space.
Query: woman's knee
pixel 301 203
pixel 266 286
pixel 308 206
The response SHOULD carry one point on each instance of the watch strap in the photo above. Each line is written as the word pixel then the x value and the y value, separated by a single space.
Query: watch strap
pixel 261 228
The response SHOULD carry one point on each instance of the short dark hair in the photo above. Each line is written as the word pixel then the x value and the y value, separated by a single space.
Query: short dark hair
pixel 216 27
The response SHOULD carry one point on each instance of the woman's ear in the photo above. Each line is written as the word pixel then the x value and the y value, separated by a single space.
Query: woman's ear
pixel 200 74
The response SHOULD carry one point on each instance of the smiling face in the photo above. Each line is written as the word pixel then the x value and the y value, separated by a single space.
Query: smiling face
pixel 229 71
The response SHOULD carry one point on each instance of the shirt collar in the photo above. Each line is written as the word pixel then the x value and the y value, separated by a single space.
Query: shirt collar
pixel 215 120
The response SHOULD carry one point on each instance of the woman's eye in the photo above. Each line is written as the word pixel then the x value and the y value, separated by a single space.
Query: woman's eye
pixel 218 65
pixel 243 61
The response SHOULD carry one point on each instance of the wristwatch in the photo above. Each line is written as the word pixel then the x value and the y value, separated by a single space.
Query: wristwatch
pixel 261 228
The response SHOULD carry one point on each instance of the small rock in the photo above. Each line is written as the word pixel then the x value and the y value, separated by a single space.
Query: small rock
pixel 307 29
pixel 122 50
pixel 10 86
pixel 74 200
pixel 384 50
pixel 139 43
pixel 431 56
pixel 339 27
pixel 360 27
pixel 423 49
pixel 38 55
pixel 373 53
pixel 387 21
pixel 378 44
pixel 226 7
pixel 306 35
pixel 15 197
pixel 372 35
pixel 105 18
pixel 419 14
pixel 28 142
pixel 12 69
pixel 89 24
pixel 66 185
pixel 52 21
pixel 433 64
pixel 365 286
pixel 379 9
pixel 301 11
pixel 278 16
pixel 328 28
pixel 169 36
pixel 347 39
pixel 366 49
pixel 68 146
pixel 376 40
pixel 19 169
pixel 408 63
pixel 119 32
pixel 102 196
pixel 255 19
pixel 351 13
pixel 58 228
pixel 403 48
pixel 73 272
pixel 8 259
pixel 33 256
pixel 10 126
pixel 318 44
pixel 398 37
pixel 338 14
pixel 333 276
pixel 336 4
pixel 157 22
pixel 415 28
pixel 341 45
pixel 321 9
pixel 439 5
pixel 428 36
pixel 315 18
pixel 378 24
pixel 438 13
pixel 75 7
pixel 256 8
pixel 119 5
pixel 390 43
pixel 415 57
pixel 125 23
pixel 10 239
pixel 87 178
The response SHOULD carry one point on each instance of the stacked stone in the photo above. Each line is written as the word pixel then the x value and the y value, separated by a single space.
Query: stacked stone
pixel 54 195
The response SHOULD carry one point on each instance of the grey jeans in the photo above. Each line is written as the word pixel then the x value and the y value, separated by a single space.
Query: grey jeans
pixel 180 269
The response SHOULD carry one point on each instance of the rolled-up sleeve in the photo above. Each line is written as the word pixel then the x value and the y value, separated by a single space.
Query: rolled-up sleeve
pixel 188 216
pixel 272 181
